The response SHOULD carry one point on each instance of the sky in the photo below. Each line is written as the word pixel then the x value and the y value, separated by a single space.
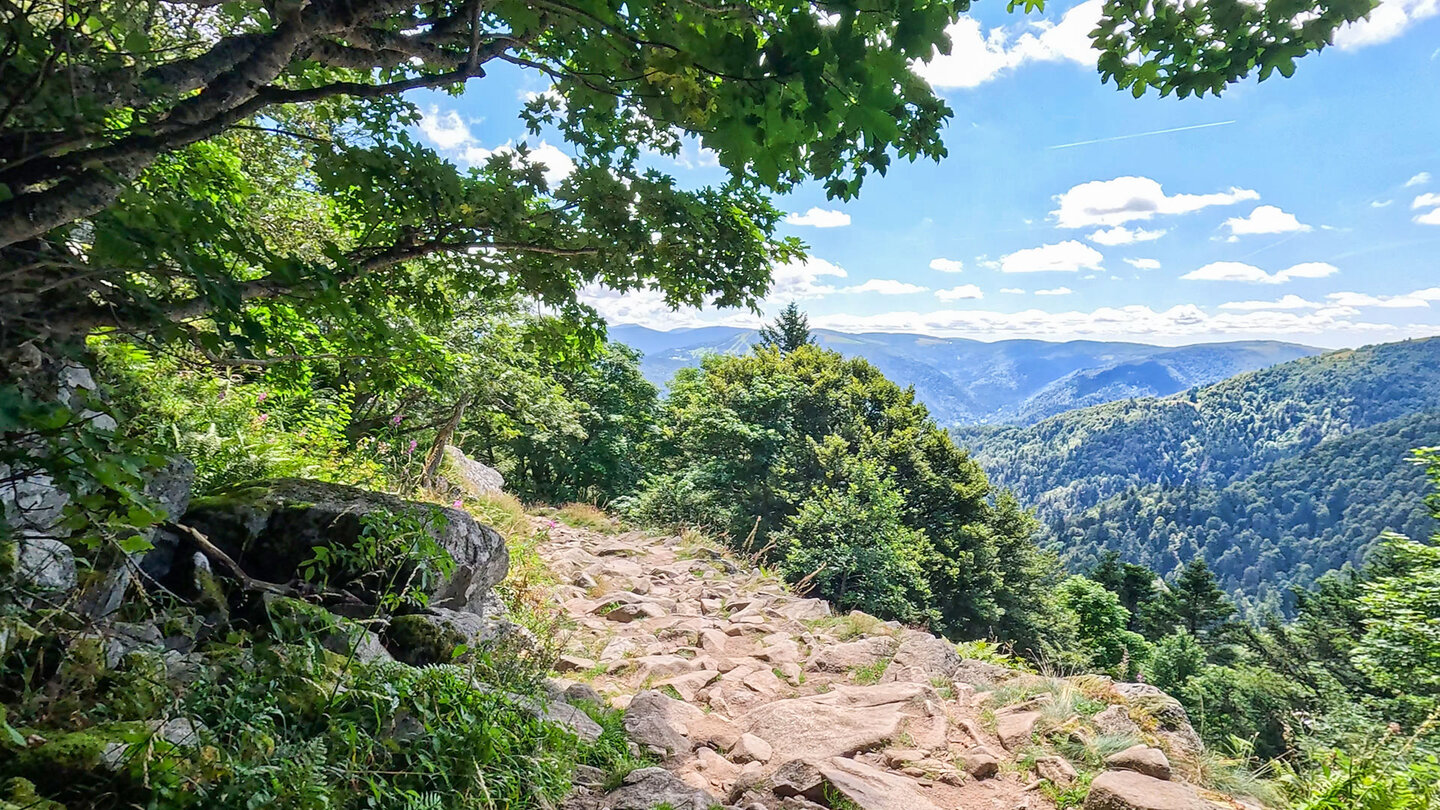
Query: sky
pixel 1303 209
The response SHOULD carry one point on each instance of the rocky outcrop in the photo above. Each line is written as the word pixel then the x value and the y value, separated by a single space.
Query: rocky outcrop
pixel 466 476
pixel 272 528
pixel 1141 759
pixel 1128 790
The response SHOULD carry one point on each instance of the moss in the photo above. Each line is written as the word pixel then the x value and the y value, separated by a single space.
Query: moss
pixel 419 640
pixel 19 794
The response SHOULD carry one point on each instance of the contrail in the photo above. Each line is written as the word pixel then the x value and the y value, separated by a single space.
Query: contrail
pixel 1140 135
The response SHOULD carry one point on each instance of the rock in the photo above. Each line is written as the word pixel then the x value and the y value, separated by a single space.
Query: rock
pixel 1141 759
pixel 980 762
pixel 573 663
pixel 690 683
pixel 798 778
pixel 854 654
pixel 648 788
pixel 434 637
pixel 170 488
pixel 807 728
pixel 1056 769
pixel 1128 790
pixel 983 673
pixel 750 748
pixel 805 610
pixel 662 666
pixel 44 568
pixel 1115 720
pixel 921 657
pixel 468 476
pixel 273 527
pixel 1015 729
pixel 660 723
pixel 870 788
pixel 573 719
pixel 577 693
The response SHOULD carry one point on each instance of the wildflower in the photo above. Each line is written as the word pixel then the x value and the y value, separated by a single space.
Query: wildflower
pixel 262 417
pixel 395 420
pixel 261 397
pixel 457 504
pixel 552 524
pixel 413 445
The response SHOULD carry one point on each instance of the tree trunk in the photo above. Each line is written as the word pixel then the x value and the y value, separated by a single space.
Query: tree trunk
pixel 442 438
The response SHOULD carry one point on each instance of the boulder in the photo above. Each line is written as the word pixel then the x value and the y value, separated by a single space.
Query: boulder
pixel 468 476
pixel 1141 759
pixel 648 788
pixel 170 488
pixel 815 729
pixel 750 748
pixel 435 637
pixel 983 673
pixel 980 762
pixel 921 657
pixel 798 778
pixel 870 788
pixel 1128 790
pixel 272 528
pixel 44 568
pixel 1115 720
pixel 1056 769
pixel 660 723
pixel 854 654
pixel 1015 729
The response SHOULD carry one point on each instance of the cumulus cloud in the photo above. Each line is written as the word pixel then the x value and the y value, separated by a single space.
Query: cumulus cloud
pixel 447 130
pixel 451 135
pixel 1108 203
pixel 977 56
pixel 1055 291
pixel 1066 257
pixel 1120 235
pixel 1431 201
pixel 964 291
pixel 947 265
pixel 1012 291
pixel 1239 271
pixel 1265 219
pixel 1381 203
pixel 1385 22
pixel 802 279
pixel 1143 264
pixel 1431 218
pixel 1285 302
pixel 1420 299
pixel 819 218
pixel 885 286
pixel 1418 180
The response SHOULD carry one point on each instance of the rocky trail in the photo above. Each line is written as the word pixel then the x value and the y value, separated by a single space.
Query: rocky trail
pixel 749 696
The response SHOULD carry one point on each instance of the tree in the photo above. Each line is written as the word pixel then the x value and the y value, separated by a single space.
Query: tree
pixel 1199 604
pixel 1100 622
pixel 790 331
pixel 1178 658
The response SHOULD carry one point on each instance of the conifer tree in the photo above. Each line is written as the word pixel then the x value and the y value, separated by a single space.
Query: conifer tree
pixel 790 331
pixel 1198 602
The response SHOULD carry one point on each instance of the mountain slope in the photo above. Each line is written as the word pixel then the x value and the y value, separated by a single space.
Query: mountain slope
pixel 966 382
pixel 1275 476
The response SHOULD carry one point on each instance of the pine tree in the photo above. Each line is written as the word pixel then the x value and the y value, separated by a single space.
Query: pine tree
pixel 790 331
pixel 1198 602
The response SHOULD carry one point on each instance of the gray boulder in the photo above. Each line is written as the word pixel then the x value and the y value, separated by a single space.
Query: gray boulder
pixel 272 527
pixel 441 635
pixel 648 788
pixel 468 476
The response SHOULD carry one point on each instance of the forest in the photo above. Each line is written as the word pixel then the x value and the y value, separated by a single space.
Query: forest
pixel 226 264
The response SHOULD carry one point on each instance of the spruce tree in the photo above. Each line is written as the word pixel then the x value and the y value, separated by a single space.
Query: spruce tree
pixel 1198 602
pixel 790 331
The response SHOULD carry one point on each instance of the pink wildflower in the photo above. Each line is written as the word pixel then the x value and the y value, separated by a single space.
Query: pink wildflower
pixel 262 417
pixel 413 445
pixel 457 503
pixel 261 397
pixel 395 420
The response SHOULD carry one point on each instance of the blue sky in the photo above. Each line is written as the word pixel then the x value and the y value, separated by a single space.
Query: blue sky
pixel 1304 209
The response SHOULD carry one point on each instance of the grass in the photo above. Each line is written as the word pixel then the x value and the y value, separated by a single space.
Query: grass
pixel 870 673
pixel 850 626
pixel 611 753
pixel 1226 774
pixel 1072 795
pixel 588 516
pixel 836 800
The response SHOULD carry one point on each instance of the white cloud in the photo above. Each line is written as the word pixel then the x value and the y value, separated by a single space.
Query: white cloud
pixel 819 218
pixel 968 291
pixel 1418 180
pixel 1419 299
pixel 1012 291
pixel 1385 22
pixel 1143 264
pixel 1381 203
pixel 1265 219
pixel 977 56
pixel 1107 203
pixel 1120 235
pixel 1431 201
pixel 1068 257
pixel 1055 291
pixel 801 279
pixel 1239 271
pixel 947 265
pixel 558 165
pixel 447 130
pixel 885 286
pixel 1285 302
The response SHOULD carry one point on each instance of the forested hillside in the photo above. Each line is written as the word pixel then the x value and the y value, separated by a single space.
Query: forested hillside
pixel 1274 476
pixel 967 382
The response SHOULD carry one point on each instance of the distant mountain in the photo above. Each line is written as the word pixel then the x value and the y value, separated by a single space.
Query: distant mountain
pixel 969 382
pixel 1274 476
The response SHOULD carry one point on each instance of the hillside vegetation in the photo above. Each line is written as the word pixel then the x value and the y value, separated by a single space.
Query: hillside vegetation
pixel 1274 476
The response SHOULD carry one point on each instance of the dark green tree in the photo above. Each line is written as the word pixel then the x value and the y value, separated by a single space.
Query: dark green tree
pixel 1199 604
pixel 790 331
